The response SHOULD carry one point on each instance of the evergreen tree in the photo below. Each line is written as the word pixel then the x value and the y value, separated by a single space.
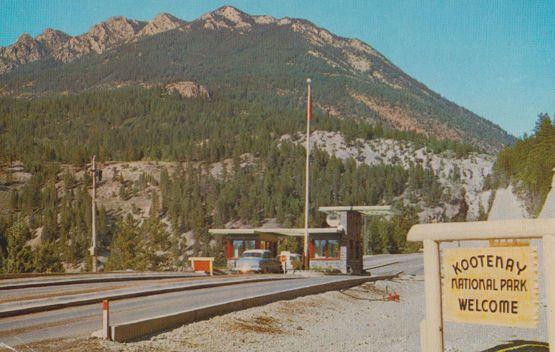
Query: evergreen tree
pixel 529 162
pixel 20 257
pixel 125 251
pixel 463 208
pixel 47 258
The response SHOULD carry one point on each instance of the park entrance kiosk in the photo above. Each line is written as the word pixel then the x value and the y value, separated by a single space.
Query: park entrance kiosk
pixel 236 241
pixel 431 329
pixel 351 220
pixel 337 247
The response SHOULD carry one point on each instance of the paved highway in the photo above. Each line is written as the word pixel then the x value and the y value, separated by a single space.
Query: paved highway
pixel 83 320
pixel 35 280
pixel 409 264
pixel 17 299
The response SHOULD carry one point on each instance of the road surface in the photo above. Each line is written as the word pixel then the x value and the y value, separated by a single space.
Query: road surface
pixel 16 301
pixel 68 279
pixel 409 264
pixel 83 320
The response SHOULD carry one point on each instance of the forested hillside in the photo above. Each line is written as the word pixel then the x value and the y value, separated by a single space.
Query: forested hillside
pixel 529 163
pixel 192 201
pixel 138 123
pixel 46 220
pixel 254 59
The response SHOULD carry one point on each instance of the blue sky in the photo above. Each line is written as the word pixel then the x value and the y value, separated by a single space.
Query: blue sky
pixel 496 58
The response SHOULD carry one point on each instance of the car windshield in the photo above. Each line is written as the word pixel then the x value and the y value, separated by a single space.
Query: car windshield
pixel 252 255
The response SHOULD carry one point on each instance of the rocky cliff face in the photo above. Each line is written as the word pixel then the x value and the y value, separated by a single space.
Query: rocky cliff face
pixel 548 209
pixel 25 50
pixel 462 178
pixel 187 89
pixel 507 205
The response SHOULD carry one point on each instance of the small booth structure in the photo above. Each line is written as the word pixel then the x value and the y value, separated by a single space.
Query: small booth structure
pixel 338 247
pixel 350 219
pixel 236 241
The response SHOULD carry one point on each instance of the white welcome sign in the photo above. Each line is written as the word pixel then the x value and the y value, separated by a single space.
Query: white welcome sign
pixel 495 285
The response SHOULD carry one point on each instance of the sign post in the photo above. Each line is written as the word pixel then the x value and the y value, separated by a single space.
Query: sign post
pixel 106 320
pixel 495 285
pixel 549 270
pixel 434 320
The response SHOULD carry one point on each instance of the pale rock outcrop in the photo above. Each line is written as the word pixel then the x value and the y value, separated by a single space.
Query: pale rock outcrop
pixel 53 39
pixel 25 50
pixel 471 172
pixel 188 89
pixel 162 23
pixel 506 205
pixel 228 18
pixel 548 210
pixel 62 47
pixel 264 19
pixel 101 37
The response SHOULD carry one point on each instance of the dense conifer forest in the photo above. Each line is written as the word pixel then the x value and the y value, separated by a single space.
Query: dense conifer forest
pixel 528 164
pixel 48 134
pixel 151 124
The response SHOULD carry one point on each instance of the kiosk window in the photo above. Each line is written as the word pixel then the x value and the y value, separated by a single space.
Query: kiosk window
pixel 239 246
pixel 326 248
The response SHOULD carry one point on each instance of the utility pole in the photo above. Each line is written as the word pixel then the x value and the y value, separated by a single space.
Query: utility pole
pixel 93 205
pixel 307 200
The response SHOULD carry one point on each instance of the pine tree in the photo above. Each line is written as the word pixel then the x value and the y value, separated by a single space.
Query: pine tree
pixel 47 258
pixel 126 252
pixel 154 210
pixel 102 226
pixel 20 257
pixel 463 208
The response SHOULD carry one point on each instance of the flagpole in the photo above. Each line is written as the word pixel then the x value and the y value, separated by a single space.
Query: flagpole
pixel 307 199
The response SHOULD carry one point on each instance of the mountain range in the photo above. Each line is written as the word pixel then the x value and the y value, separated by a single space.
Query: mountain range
pixel 228 53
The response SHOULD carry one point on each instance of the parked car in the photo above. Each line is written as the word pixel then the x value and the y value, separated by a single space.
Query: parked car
pixel 258 261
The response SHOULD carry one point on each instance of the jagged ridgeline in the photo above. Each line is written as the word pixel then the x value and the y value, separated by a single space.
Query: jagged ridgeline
pixel 254 59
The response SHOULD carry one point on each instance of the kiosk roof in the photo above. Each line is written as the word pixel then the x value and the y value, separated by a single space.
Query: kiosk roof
pixel 293 232
pixel 369 210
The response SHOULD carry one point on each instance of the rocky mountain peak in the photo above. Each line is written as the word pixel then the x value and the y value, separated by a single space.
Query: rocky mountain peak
pixel 227 17
pixel 231 13
pixel 101 37
pixel 161 23
pixel 52 38
pixel 26 49
pixel 165 17
pixel 265 19
pixel 116 27
pixel 24 38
